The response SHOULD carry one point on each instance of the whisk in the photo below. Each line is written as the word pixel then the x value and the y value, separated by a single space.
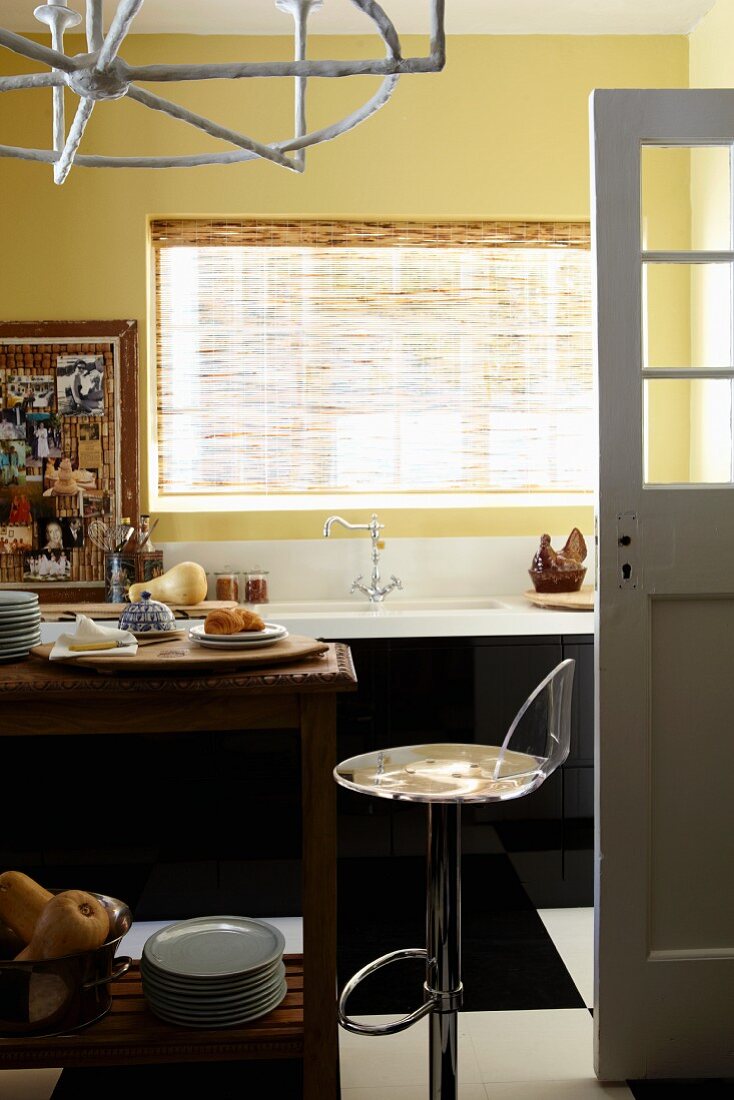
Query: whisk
pixel 109 537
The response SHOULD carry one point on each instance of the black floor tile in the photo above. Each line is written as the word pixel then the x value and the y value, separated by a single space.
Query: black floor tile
pixel 508 959
pixel 257 888
pixel 124 881
pixel 223 1080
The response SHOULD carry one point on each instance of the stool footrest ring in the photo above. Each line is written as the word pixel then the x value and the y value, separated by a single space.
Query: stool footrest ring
pixel 397 1025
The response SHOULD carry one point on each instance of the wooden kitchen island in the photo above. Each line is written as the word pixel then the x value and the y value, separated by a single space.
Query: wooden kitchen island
pixel 45 697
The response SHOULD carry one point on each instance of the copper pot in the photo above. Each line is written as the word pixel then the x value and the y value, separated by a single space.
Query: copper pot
pixel 54 996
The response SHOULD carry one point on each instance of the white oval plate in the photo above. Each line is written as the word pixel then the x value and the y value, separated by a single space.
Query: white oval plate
pixel 33 615
pixel 12 598
pixel 14 641
pixel 220 1006
pixel 271 631
pixel 19 628
pixel 229 1021
pixel 242 645
pixel 198 989
pixel 208 947
pixel 7 656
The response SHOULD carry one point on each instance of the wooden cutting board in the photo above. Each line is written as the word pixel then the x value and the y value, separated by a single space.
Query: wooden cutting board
pixel 583 600
pixel 187 656
pixel 56 612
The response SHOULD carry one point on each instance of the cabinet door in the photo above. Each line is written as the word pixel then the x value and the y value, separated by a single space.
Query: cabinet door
pixel 468 690
pixel 582 710
pixel 504 676
pixel 431 691
pixel 363 827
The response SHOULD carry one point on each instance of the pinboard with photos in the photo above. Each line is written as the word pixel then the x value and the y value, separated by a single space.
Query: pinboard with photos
pixel 68 450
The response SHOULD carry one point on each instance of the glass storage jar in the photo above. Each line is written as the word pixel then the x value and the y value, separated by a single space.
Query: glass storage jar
pixel 227 585
pixel 256 586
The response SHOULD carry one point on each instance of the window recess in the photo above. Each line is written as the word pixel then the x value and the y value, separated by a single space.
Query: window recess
pixel 334 358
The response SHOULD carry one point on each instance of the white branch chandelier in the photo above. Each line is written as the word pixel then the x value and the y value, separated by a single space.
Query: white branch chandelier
pixel 100 74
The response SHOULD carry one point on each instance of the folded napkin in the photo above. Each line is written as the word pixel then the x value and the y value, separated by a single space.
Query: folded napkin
pixel 89 633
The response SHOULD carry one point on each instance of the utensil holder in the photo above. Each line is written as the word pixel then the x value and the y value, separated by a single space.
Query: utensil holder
pixel 148 564
pixel 119 574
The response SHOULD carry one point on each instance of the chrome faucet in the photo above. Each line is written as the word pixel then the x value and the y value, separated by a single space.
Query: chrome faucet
pixel 375 591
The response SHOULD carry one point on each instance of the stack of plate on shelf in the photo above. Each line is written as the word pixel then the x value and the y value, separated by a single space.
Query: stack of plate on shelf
pixel 214 971
pixel 247 639
pixel 20 624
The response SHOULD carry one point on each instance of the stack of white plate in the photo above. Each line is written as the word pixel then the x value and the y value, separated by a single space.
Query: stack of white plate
pixel 247 639
pixel 214 971
pixel 20 624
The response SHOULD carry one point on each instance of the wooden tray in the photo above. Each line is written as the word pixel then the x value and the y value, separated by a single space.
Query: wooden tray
pixel 187 656
pixel 131 1034
pixel 583 600
pixel 56 612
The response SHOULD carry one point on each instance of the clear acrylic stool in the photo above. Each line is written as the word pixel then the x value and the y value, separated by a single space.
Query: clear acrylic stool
pixel 444 776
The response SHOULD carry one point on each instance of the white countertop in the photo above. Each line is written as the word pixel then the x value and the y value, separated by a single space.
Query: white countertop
pixel 451 617
pixel 448 617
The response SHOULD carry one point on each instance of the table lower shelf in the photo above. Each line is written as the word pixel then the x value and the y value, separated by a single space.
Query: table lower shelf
pixel 130 1034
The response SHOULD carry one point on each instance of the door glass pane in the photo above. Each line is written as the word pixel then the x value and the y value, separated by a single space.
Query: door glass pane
pixel 685 198
pixel 688 431
pixel 686 315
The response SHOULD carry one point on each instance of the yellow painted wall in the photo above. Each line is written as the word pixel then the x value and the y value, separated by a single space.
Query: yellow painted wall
pixel 502 133
pixel 711 60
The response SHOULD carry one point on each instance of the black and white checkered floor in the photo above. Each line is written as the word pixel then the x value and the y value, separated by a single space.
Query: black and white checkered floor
pixel 525 1033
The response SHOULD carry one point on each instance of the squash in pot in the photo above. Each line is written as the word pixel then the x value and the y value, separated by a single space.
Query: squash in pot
pixel 71 921
pixel 10 942
pixel 22 901
pixel 183 584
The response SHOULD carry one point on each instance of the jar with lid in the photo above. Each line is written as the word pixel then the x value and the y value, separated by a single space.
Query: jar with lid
pixel 256 586
pixel 227 585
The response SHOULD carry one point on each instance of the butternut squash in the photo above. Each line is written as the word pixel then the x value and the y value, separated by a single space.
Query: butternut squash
pixel 183 584
pixel 22 901
pixel 71 921
pixel 10 942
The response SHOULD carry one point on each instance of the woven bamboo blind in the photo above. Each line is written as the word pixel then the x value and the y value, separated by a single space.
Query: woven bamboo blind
pixel 323 357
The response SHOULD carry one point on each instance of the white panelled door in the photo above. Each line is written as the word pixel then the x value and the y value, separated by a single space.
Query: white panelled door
pixel 664 244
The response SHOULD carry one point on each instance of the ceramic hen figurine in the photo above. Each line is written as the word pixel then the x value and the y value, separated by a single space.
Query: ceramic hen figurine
pixel 570 557
pixel 559 570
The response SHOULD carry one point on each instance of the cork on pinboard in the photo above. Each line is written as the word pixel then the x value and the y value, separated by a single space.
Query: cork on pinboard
pixel 68 448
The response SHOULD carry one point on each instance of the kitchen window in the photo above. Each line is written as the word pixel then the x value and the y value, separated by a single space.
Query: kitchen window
pixel 307 361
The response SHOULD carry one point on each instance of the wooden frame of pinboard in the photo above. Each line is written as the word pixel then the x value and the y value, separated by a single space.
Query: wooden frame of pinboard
pixel 30 348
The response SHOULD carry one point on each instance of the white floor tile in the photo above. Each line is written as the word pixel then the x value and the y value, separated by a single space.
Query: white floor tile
pixel 572 932
pixel 28 1084
pixel 410 1092
pixel 538 1045
pixel 557 1090
pixel 141 930
pixel 369 1061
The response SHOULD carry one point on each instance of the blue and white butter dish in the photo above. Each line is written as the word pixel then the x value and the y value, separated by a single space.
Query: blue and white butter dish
pixel 147 616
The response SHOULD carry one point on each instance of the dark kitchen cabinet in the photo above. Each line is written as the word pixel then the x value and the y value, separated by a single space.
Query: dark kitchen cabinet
pixel 209 823
pixel 416 691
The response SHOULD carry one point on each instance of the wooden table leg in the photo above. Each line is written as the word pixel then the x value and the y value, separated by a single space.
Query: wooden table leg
pixel 318 758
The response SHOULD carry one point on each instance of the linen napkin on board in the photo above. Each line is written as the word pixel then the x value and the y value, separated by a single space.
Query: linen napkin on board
pixel 88 633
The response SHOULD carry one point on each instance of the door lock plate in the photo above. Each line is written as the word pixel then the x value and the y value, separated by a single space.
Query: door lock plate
pixel 628 539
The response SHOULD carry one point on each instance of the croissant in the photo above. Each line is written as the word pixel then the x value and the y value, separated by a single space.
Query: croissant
pixel 250 619
pixel 232 620
pixel 224 621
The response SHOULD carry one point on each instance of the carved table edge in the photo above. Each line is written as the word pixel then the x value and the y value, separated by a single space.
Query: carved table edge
pixel 344 674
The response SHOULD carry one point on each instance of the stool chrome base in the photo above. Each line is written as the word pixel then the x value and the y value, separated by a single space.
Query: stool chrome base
pixel 442 989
